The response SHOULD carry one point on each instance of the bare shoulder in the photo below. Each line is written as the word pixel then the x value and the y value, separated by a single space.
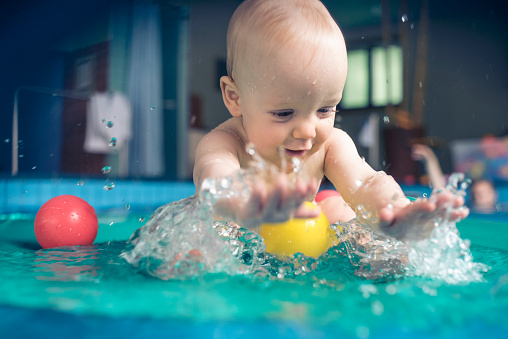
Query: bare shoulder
pixel 220 152
pixel 228 136
pixel 339 142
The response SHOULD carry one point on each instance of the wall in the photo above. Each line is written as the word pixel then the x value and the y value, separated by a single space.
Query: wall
pixel 208 28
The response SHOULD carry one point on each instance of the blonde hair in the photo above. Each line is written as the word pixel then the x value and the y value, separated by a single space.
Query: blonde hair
pixel 268 25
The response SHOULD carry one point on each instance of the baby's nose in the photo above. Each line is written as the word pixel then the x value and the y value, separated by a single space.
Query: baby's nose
pixel 304 130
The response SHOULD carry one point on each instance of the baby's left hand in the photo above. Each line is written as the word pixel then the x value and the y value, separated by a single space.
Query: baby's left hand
pixel 416 221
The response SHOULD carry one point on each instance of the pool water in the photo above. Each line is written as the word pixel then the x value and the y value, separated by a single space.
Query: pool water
pixel 91 292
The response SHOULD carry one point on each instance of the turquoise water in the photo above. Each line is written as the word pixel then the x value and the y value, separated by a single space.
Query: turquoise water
pixel 94 287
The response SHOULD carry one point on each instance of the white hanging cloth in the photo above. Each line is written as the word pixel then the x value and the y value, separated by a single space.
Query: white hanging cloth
pixel 108 123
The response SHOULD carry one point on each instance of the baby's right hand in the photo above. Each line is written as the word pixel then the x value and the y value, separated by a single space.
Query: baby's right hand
pixel 416 221
pixel 270 202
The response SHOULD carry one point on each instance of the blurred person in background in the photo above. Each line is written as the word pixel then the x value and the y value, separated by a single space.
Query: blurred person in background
pixel 483 197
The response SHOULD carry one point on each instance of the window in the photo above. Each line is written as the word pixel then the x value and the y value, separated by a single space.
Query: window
pixel 375 78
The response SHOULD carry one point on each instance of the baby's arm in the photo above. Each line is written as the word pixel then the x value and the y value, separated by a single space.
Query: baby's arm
pixel 377 198
pixel 218 155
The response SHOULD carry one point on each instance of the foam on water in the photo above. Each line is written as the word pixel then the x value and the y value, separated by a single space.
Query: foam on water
pixel 183 240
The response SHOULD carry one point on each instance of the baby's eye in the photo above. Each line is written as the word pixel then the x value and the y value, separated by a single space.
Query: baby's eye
pixel 327 111
pixel 282 115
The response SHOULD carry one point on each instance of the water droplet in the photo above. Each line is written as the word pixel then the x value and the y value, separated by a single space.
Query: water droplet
pixel 467 243
pixel 109 124
pixel 377 307
pixel 391 289
pixel 404 18
pixel 425 195
pixel 127 206
pixel 106 169
pixel 7 140
pixel 109 186
pixel 420 84
pixel 251 150
pixel 412 26
pixel 386 119
pixel 225 183
pixel 153 108
pixel 34 167
pixel 113 142
pixel 21 156
pixel 465 184
pixel 111 223
pixel 362 332
pixel 80 183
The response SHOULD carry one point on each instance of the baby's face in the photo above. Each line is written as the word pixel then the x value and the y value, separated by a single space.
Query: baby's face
pixel 289 102
pixel 484 195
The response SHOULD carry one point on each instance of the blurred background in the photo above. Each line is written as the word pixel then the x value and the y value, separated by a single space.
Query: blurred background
pixel 125 88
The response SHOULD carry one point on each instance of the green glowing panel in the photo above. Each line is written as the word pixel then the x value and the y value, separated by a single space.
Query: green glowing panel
pixel 386 65
pixel 356 90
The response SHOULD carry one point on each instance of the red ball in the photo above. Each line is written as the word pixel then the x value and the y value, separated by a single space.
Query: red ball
pixel 322 195
pixel 65 220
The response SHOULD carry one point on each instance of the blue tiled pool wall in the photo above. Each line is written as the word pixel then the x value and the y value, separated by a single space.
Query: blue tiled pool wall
pixel 26 195
pixel 21 195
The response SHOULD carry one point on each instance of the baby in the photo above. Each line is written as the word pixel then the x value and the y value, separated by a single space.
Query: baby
pixel 287 65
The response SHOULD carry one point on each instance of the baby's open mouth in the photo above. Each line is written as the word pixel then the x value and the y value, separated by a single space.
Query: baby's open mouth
pixel 296 153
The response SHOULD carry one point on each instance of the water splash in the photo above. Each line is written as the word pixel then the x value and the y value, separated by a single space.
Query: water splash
pixel 179 241
pixel 109 187
pixel 183 240
pixel 445 256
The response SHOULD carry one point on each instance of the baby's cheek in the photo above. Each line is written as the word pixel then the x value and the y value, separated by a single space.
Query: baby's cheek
pixel 324 132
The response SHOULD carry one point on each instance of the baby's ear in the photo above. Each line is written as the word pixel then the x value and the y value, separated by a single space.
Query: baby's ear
pixel 230 95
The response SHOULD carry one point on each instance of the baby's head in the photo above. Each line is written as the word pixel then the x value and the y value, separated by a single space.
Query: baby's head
pixel 287 66
pixel 261 31
pixel 483 196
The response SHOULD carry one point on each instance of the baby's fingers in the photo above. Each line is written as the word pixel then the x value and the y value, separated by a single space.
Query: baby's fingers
pixel 458 202
pixel 306 212
pixel 460 213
